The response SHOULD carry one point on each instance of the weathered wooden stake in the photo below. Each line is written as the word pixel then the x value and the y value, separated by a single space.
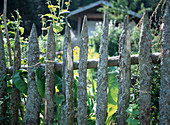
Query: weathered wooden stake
pixel 82 83
pixel 101 109
pixel 145 68
pixel 33 106
pixel 164 102
pixel 3 83
pixel 50 77
pixel 15 94
pixel 124 73
pixel 67 110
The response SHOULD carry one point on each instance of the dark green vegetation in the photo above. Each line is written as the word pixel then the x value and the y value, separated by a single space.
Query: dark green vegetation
pixel 30 10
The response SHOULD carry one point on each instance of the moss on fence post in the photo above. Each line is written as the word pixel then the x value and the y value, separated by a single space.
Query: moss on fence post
pixel 164 102
pixel 3 83
pixel 50 77
pixel 101 109
pixel 67 110
pixel 145 68
pixel 33 106
pixel 15 94
pixel 124 73
pixel 82 83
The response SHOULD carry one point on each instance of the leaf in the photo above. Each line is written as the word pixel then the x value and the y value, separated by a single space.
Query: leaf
pixel 51 16
pixel 40 81
pixel 129 120
pixel 58 99
pixel 135 122
pixel 19 81
pixel 22 30
pixel 64 12
pixel 57 29
pixel 112 94
pixel 58 80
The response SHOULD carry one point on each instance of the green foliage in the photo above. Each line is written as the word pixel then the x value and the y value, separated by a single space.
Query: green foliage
pixel 40 81
pixel 113 86
pixel 19 81
pixel 133 114
pixel 58 99
pixel 113 39
pixel 155 94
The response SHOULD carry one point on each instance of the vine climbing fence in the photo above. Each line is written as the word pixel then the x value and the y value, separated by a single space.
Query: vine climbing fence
pixel 145 58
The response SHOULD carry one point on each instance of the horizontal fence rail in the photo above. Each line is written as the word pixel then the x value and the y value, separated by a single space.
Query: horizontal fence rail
pixel 93 63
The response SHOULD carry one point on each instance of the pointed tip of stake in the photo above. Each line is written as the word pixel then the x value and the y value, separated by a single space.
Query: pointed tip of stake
pixel 51 28
pixel 106 18
pixel 145 18
pixel 33 31
pixel 84 26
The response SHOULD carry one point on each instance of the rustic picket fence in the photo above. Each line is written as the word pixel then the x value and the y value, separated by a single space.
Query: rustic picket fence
pixel 124 61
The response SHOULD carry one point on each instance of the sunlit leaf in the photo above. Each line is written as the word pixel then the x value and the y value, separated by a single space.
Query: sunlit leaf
pixel 112 94
pixel 22 30
pixel 57 29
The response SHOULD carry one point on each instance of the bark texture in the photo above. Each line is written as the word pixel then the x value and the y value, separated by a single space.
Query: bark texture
pixel 63 106
pixel 101 109
pixel 50 78
pixel 145 68
pixel 15 94
pixel 164 102
pixel 68 81
pixel 33 106
pixel 82 83
pixel 124 73
pixel 3 83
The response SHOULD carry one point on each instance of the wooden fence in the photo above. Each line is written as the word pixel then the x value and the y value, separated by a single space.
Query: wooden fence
pixel 124 61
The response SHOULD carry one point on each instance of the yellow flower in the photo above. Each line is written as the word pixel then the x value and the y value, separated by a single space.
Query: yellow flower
pixel 59 56
pixel 56 89
pixel 76 74
pixel 67 3
pixel 61 52
pixel 1 14
pixel 50 6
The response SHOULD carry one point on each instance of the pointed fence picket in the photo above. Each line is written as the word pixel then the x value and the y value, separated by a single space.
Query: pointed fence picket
pixel 50 78
pixel 33 106
pixel 164 102
pixel 124 61
pixel 145 68
pixel 3 82
pixel 124 73
pixel 67 109
pixel 15 94
pixel 101 108
pixel 82 83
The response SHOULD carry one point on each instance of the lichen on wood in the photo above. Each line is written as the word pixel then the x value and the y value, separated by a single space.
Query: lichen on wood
pixel 145 68
pixel 101 108
pixel 124 73
pixel 33 106
pixel 50 77
pixel 3 83
pixel 164 101
pixel 82 83
pixel 68 80
pixel 15 94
